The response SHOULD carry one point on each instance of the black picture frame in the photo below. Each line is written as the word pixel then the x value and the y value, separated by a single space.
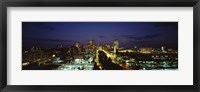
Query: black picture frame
pixel 98 3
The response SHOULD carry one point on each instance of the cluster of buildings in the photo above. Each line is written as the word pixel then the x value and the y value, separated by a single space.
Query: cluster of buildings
pixel 82 57
pixel 78 64
pixel 35 55
pixel 91 47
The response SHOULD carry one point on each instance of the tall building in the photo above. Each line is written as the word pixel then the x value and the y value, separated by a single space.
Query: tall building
pixel 90 47
pixel 90 43
pixel 93 42
pixel 73 50
pixel 107 47
pixel 145 50
pixel 100 47
pixel 115 45
pixel 163 49
pixel 78 46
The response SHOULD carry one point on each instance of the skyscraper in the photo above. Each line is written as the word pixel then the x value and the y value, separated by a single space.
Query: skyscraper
pixel 78 46
pixel 115 45
pixel 93 42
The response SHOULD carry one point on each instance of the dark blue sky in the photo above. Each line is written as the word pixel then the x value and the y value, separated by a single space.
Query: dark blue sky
pixel 129 34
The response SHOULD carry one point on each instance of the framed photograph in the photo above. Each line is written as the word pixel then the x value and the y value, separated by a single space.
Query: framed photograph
pixel 102 45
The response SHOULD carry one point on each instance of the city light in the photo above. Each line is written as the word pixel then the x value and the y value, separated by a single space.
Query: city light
pixel 100 46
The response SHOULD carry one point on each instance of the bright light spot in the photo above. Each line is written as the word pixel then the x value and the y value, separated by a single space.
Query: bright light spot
pixel 25 64
pixel 53 55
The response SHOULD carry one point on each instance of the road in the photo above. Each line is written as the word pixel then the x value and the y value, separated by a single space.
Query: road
pixel 105 61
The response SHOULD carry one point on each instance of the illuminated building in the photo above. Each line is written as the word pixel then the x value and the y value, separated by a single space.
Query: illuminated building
pixel 107 47
pixel 78 56
pixel 94 46
pixel 34 48
pixel 57 61
pixel 163 49
pixel 145 50
pixel 90 43
pixel 126 50
pixel 89 50
pixel 90 47
pixel 73 50
pixel 60 46
pixel 100 47
pixel 35 55
pixel 78 46
pixel 115 45
pixel 79 63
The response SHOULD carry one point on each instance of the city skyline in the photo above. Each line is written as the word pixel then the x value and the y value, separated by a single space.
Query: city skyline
pixel 129 34
pixel 100 45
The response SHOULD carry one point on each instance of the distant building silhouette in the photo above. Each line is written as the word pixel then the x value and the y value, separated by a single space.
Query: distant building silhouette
pixel 115 45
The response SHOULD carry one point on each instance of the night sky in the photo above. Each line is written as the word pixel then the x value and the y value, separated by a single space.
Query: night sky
pixel 129 34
